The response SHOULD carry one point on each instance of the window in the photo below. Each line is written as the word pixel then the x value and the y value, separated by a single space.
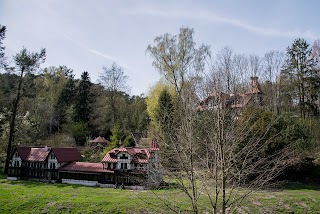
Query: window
pixel 124 166
pixel 123 156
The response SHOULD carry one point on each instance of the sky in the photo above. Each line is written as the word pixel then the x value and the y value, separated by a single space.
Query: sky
pixel 87 35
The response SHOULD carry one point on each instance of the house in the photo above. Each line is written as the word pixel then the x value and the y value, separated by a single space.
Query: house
pixel 130 166
pixel 134 166
pixel 40 162
pixel 98 142
pixel 253 95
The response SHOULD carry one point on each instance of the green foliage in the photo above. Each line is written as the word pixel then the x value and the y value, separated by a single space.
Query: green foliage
pixel 80 132
pixel 281 131
pixel 116 136
pixel 165 113
pixel 129 141
pixel 83 100
pixel 300 72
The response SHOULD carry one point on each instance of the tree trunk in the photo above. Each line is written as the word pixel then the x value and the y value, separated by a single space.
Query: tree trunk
pixel 12 123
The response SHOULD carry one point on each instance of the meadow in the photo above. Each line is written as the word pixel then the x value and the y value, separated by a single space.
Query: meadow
pixel 37 197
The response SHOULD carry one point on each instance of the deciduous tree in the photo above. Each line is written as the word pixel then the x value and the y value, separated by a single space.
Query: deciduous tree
pixel 25 63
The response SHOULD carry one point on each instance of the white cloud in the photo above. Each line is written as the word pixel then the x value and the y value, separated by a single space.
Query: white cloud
pixel 204 15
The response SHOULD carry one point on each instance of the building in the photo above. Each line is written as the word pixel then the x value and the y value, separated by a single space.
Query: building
pixel 253 95
pixel 99 143
pixel 40 162
pixel 134 166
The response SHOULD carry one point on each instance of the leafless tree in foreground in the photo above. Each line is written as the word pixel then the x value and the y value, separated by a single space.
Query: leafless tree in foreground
pixel 218 157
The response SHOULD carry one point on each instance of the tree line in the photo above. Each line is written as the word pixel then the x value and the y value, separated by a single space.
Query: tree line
pixel 50 106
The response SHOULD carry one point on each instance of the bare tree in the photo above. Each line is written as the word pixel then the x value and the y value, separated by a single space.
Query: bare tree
pixel 114 81
pixel 217 156
pixel 273 61
pixel 255 64
pixel 2 36
pixel 224 63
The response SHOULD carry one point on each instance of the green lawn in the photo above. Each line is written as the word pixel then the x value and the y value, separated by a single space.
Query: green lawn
pixel 35 197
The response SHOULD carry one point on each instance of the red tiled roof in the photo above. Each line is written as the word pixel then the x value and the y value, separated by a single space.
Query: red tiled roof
pixel 38 154
pixel 140 155
pixel 66 154
pixel 84 167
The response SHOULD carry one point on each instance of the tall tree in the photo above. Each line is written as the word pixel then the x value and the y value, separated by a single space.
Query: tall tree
pixel 82 109
pixel 299 69
pixel 2 36
pixel 65 98
pixel 178 60
pixel 273 61
pixel 114 80
pixel 83 99
pixel 25 63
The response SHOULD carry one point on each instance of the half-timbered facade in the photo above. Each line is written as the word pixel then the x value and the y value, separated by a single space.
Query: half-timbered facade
pixel 40 162
pixel 137 166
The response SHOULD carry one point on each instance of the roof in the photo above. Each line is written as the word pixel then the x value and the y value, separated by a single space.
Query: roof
pixel 84 167
pixel 66 154
pixel 140 155
pixel 233 100
pixel 99 140
pixel 23 151
pixel 40 154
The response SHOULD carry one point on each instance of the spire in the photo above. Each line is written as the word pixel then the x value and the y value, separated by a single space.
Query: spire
pixel 255 86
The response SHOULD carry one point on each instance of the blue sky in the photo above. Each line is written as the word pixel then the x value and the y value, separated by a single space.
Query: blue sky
pixel 87 35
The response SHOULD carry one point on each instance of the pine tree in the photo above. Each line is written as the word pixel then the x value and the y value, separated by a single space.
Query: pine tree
pixel 300 71
pixel 83 100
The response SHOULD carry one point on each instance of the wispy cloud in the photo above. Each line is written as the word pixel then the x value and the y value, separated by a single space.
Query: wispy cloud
pixel 209 16
pixel 111 58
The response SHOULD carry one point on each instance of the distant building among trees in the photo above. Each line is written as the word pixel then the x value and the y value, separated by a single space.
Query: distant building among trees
pixel 219 99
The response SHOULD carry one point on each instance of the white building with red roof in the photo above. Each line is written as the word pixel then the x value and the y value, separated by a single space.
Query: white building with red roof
pixel 133 166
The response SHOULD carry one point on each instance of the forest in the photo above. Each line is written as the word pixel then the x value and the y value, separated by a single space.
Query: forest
pixel 49 106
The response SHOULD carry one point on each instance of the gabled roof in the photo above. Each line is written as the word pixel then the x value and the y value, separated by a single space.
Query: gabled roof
pixel 40 154
pixel 68 154
pixel 99 140
pixel 84 167
pixel 140 155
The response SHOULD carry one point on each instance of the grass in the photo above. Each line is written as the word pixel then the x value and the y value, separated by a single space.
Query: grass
pixel 35 197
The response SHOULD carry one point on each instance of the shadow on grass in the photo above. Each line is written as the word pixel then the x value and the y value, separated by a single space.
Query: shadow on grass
pixel 299 186
pixel 34 183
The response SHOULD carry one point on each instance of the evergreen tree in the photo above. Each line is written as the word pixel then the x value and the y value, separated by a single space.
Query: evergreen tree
pixel 83 100
pixel 66 97
pixel 300 71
